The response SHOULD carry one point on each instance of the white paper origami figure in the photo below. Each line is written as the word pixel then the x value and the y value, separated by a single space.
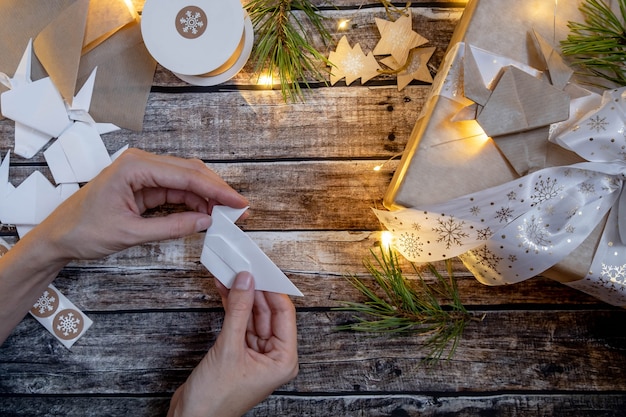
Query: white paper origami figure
pixel 32 201
pixel 79 153
pixel 228 250
pixel 36 107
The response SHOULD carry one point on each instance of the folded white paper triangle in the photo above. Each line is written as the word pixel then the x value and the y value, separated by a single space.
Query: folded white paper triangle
pixel 228 250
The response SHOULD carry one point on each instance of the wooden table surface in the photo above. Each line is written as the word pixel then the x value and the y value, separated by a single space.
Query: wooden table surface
pixel 542 348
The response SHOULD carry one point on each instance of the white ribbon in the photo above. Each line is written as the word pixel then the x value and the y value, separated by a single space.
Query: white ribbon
pixel 517 230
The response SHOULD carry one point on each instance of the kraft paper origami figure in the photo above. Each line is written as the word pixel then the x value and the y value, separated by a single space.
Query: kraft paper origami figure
pixel 228 250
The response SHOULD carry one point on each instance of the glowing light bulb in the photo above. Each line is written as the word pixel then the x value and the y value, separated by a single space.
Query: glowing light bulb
pixel 343 24
pixel 385 239
pixel 266 80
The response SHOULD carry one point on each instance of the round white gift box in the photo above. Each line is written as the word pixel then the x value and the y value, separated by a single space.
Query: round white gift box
pixel 203 42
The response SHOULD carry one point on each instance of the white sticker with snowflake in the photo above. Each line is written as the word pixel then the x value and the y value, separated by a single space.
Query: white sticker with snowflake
pixel 60 316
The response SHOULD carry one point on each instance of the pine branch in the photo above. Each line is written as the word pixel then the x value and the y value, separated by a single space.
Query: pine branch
pixel 409 307
pixel 598 45
pixel 284 48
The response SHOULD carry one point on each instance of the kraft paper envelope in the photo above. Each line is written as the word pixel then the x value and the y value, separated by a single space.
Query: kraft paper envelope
pixel 228 250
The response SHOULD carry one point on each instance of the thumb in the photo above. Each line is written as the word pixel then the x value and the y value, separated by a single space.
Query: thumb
pixel 240 301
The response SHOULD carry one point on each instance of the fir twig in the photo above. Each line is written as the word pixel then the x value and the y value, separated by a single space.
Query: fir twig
pixel 284 48
pixel 598 45
pixel 409 307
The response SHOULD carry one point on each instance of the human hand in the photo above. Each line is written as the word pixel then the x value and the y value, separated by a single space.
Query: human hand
pixel 105 216
pixel 255 353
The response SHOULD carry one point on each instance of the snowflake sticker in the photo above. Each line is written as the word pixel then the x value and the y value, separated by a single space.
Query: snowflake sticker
pixel 47 304
pixel 68 324
pixel 191 22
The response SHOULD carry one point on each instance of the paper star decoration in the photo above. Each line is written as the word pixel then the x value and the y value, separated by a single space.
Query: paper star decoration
pixel 352 63
pixel 228 250
pixel 397 38
pixel 415 69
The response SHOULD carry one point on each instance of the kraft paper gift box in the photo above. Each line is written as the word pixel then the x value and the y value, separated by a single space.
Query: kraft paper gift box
pixel 437 166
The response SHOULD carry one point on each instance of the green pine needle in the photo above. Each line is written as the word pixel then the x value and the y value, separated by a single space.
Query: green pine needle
pixel 409 307
pixel 284 48
pixel 598 45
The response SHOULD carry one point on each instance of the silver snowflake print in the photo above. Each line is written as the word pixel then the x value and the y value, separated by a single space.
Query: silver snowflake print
pixel 571 213
pixel 484 234
pixel 570 229
pixel 597 123
pixel 512 196
pixel 450 231
pixel 614 273
pixel 487 258
pixel 416 226
pixel 68 324
pixel 546 190
pixel 504 214
pixel 512 258
pixel 45 303
pixel 191 22
pixel 475 210
pixel 549 210
pixel 586 188
pixel 410 244
pixel 534 236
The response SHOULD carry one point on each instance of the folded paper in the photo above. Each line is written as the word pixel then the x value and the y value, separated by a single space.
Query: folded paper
pixel 71 40
pixel 228 250
pixel 28 204
pixel 506 228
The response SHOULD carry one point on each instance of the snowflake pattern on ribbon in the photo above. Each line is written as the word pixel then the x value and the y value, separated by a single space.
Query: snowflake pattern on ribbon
pixel 517 230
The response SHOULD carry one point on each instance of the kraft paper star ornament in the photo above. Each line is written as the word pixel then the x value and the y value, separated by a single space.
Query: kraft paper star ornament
pixel 228 250
pixel 352 63
pixel 397 38
pixel 417 68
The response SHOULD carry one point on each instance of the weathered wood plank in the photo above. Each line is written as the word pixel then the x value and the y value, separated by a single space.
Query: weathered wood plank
pixel 301 195
pixel 406 405
pixel 340 122
pixel 152 352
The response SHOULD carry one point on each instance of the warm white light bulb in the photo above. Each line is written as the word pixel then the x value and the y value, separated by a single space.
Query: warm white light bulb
pixel 343 24
pixel 385 239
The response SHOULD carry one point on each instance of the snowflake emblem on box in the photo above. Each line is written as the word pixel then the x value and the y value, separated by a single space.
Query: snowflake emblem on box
pixel 191 22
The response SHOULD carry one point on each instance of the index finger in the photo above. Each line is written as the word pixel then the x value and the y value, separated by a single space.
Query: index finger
pixel 142 169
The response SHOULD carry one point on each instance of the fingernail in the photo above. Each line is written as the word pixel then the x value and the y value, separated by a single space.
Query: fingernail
pixel 243 281
pixel 203 223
